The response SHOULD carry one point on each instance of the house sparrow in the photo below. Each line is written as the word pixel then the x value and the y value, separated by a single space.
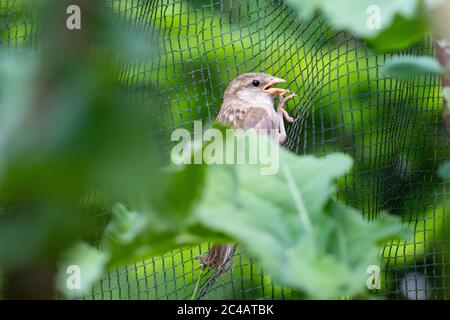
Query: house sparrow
pixel 249 103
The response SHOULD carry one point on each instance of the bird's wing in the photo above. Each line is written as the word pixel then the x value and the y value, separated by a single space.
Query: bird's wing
pixel 245 118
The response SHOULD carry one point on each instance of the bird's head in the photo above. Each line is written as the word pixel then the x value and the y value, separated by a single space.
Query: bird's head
pixel 254 88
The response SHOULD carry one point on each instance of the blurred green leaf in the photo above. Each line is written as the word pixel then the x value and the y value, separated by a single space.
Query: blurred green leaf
pixel 446 95
pixel 401 21
pixel 338 13
pixel 401 34
pixel 67 126
pixel 139 45
pixel 125 225
pixel 163 221
pixel 407 67
pixel 444 170
pixel 79 267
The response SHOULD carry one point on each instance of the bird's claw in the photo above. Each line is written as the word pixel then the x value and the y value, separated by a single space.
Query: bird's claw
pixel 287 116
pixel 286 99
pixel 281 111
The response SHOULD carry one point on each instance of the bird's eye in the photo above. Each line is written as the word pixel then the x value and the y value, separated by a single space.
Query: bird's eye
pixel 255 83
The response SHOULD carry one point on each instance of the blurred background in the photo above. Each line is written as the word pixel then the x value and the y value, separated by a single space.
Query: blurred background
pixel 86 117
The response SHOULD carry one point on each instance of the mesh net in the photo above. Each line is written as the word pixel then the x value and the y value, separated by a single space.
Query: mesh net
pixel 393 129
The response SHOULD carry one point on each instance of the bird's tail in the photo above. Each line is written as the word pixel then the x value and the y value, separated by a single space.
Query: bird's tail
pixel 218 256
pixel 218 259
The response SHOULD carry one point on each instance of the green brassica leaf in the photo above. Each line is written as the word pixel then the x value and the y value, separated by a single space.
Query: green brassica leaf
pixel 407 67
pixel 80 266
pixel 291 224
pixel 289 221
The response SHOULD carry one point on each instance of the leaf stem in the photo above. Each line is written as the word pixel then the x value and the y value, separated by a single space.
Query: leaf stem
pixel 298 199
pixel 197 286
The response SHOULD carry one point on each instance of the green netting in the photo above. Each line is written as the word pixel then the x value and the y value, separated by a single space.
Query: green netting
pixel 392 128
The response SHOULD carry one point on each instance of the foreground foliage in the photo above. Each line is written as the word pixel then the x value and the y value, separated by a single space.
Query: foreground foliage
pixel 288 221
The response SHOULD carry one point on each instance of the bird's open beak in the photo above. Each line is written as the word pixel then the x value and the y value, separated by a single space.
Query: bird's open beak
pixel 275 91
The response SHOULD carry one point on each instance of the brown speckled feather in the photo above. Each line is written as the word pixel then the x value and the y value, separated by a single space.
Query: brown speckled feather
pixel 245 118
